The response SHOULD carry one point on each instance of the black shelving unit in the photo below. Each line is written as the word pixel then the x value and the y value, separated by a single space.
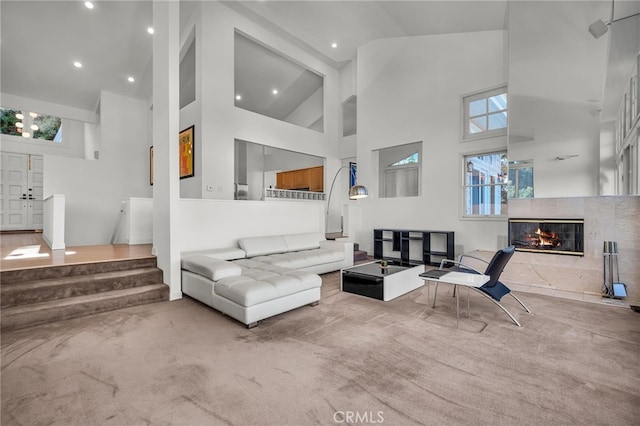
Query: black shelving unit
pixel 396 245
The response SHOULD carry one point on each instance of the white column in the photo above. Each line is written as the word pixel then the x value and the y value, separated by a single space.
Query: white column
pixel 166 185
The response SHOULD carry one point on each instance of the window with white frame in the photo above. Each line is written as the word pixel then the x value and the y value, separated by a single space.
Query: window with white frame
pixel 400 171
pixel 520 183
pixel 485 114
pixel 485 184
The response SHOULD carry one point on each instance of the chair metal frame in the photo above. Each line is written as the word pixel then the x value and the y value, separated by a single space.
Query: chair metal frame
pixel 494 281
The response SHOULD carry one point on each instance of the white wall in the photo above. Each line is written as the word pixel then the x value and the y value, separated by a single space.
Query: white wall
pixel 136 221
pixel 347 89
pixel 554 97
pixel 94 189
pixel 348 81
pixel 607 159
pixel 222 122
pixel 206 223
pixel 54 217
pixel 74 122
pixel 558 129
pixel 255 166
pixel 276 159
pixel 308 112
pixel 409 89
pixel 190 116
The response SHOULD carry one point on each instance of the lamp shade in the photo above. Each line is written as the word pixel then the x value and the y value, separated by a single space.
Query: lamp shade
pixel 598 29
pixel 358 191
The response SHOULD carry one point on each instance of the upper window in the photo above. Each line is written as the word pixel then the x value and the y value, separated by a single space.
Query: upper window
pixel 485 184
pixel 400 171
pixel 485 114
pixel 412 159
pixel 30 124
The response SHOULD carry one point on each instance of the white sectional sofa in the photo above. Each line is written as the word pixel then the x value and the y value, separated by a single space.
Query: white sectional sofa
pixel 263 276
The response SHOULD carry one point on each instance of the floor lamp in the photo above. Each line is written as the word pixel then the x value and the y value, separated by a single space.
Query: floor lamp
pixel 355 192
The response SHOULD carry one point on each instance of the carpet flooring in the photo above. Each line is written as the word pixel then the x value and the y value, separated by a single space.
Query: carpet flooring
pixel 349 360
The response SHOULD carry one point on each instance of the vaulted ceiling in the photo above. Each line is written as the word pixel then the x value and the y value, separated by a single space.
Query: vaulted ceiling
pixel 42 39
pixel 350 24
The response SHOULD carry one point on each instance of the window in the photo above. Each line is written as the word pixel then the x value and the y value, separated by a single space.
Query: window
pixel 412 159
pixel 520 183
pixel 485 114
pixel 485 184
pixel 400 171
pixel 30 124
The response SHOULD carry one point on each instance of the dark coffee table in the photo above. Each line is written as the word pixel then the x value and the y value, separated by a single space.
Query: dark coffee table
pixel 369 279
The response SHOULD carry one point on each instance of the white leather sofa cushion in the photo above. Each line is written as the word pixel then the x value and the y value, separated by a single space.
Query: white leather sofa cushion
pixel 302 259
pixel 297 242
pixel 261 283
pixel 226 253
pixel 259 246
pixel 209 267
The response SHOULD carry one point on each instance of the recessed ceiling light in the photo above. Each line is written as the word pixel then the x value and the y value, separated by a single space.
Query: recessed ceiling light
pixel 334 45
pixel 150 30
pixel 274 91
pixel 77 64
pixel 33 114
pixel 34 127
pixel 19 116
pixel 131 79
pixel 26 134
pixel 19 125
pixel 88 5
pixel 238 97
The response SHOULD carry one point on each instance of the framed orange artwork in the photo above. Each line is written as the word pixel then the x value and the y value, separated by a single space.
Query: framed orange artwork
pixel 186 153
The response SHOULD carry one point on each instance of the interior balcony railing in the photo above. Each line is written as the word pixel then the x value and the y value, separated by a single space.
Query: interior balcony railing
pixel 289 194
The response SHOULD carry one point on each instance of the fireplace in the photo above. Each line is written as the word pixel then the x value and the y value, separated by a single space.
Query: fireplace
pixel 555 236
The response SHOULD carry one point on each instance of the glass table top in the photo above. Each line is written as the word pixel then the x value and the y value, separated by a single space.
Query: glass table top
pixel 374 269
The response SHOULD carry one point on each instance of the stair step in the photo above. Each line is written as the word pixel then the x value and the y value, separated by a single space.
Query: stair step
pixel 37 274
pixel 18 317
pixel 16 294
pixel 360 255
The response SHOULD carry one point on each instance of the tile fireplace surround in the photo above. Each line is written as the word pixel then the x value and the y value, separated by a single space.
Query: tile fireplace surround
pixel 606 218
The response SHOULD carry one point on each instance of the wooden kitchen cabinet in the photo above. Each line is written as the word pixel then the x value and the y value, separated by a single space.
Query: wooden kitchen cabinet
pixel 311 179
pixel 316 179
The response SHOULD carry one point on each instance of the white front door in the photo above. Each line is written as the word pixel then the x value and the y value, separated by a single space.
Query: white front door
pixel 35 192
pixel 22 190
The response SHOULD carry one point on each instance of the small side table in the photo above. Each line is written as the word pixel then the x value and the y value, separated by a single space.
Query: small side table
pixel 455 278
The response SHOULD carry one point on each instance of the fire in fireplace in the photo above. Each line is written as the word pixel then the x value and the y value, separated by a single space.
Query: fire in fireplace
pixel 557 236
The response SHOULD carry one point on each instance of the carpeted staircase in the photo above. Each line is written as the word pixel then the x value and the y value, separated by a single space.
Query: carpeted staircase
pixel 358 254
pixel 40 295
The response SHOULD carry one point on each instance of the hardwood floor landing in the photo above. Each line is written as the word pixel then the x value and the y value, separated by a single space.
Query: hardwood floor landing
pixel 28 250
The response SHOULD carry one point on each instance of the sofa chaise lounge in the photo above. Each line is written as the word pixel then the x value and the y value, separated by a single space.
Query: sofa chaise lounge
pixel 263 276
